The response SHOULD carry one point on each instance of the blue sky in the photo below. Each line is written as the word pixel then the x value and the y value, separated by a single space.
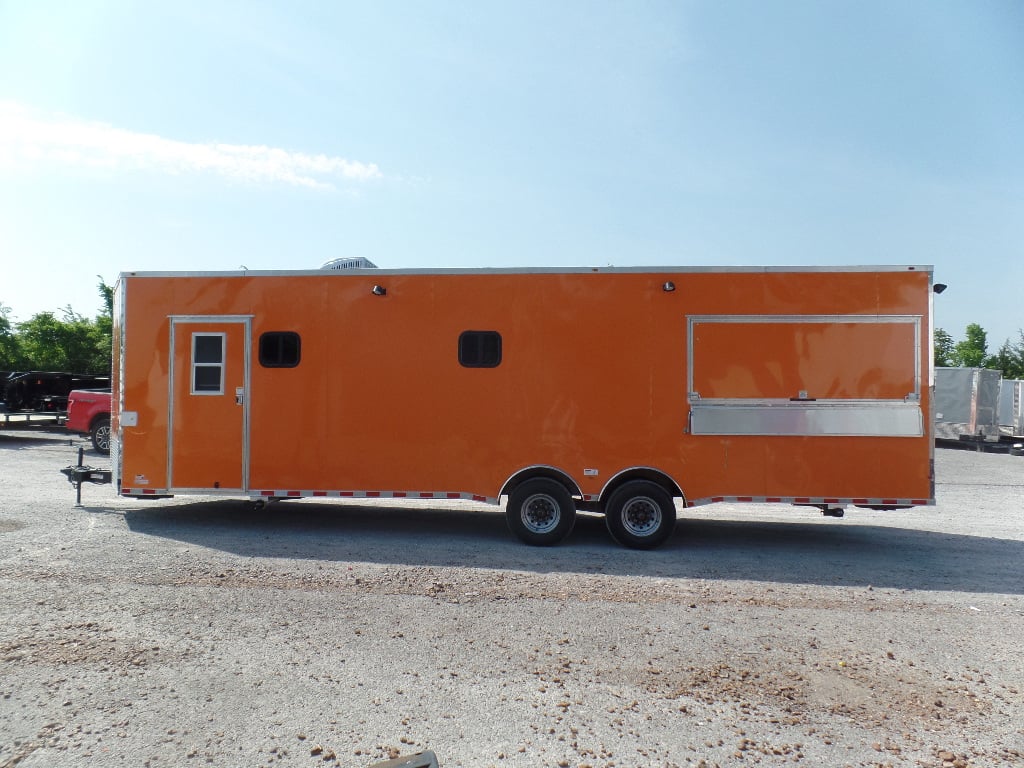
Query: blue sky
pixel 208 135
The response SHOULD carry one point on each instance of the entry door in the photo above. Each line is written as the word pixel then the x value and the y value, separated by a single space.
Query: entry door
pixel 208 440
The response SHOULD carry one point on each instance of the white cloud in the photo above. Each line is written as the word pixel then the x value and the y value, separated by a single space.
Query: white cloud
pixel 31 137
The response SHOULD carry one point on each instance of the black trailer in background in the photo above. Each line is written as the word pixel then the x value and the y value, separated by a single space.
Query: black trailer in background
pixel 40 398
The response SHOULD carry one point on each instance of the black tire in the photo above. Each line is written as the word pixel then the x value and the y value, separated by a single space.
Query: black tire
pixel 640 515
pixel 540 512
pixel 100 435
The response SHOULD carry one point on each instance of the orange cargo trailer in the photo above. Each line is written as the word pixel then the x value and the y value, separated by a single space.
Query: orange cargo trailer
pixel 617 390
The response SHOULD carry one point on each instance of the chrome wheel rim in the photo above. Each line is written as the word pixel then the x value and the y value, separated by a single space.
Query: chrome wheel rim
pixel 641 516
pixel 540 513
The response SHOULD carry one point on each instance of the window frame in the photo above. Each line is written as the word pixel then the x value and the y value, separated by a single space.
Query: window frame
pixel 479 340
pixel 219 366
pixel 280 336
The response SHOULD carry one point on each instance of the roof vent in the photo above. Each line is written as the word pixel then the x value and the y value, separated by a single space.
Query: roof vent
pixel 356 263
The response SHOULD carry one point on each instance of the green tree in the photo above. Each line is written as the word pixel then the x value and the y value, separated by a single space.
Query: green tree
pixel 71 343
pixel 11 357
pixel 68 343
pixel 970 353
pixel 943 349
pixel 107 294
pixel 104 330
pixel 1009 359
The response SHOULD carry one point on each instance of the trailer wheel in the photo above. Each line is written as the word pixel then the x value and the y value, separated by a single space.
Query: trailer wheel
pixel 100 434
pixel 540 512
pixel 640 515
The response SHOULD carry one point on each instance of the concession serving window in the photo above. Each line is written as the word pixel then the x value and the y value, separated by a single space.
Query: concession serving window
pixel 856 375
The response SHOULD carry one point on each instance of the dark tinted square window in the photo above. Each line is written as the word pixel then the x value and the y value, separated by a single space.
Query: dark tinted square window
pixel 209 348
pixel 206 378
pixel 280 349
pixel 480 349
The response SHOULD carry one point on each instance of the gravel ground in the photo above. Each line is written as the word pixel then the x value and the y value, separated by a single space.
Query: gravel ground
pixel 197 631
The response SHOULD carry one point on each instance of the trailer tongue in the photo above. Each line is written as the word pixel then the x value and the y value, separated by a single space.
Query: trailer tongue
pixel 83 473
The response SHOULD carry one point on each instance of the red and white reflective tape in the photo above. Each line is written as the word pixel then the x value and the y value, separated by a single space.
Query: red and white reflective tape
pixel 294 494
pixel 811 500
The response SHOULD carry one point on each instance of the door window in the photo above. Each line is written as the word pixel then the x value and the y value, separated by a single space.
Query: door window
pixel 207 363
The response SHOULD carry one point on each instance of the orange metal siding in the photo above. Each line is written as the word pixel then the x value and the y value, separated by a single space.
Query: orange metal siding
pixel 593 377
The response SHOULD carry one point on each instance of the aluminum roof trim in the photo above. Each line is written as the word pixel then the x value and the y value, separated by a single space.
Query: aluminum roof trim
pixel 667 270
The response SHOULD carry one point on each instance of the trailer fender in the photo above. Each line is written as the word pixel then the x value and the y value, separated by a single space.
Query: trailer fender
pixel 653 474
pixel 540 470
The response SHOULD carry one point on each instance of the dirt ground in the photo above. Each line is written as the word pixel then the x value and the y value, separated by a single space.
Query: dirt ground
pixel 197 631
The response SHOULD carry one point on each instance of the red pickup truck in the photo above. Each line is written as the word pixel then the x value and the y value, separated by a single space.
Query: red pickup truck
pixel 89 414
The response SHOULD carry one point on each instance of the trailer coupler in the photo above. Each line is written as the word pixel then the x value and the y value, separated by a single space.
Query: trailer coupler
pixel 83 473
pixel 87 474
